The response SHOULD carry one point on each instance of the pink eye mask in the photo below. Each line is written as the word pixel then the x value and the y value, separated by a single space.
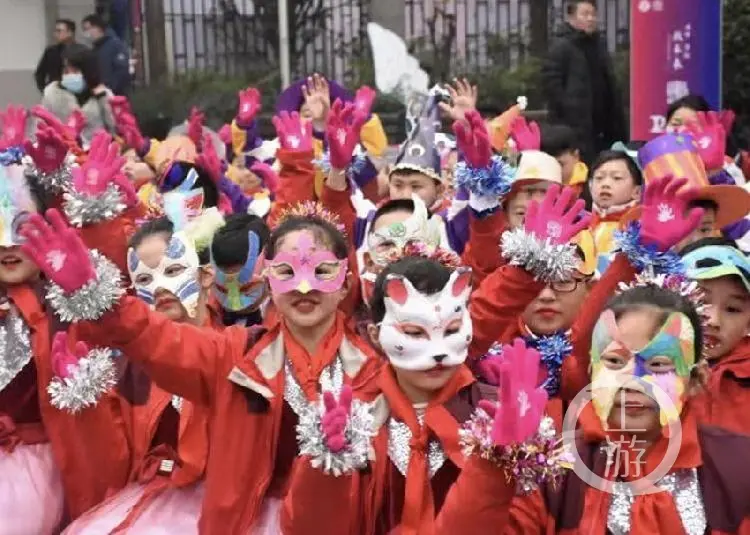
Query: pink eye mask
pixel 304 262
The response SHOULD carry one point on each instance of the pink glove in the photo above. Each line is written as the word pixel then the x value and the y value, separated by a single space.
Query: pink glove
pixel 473 141
pixel 267 175
pixel 128 128
pixel 58 251
pixel 364 99
pixel 553 220
pixel 521 400
pixel 53 122
pixel 120 106
pixel 209 161
pixel 14 126
pixel 102 167
pixel 225 134
pixel 195 127
pixel 333 422
pixel 726 118
pixel 249 106
pixel 665 220
pixel 490 369
pixel 526 135
pixel 50 151
pixel 710 138
pixel 76 122
pixel 65 362
pixel 294 134
pixel 342 132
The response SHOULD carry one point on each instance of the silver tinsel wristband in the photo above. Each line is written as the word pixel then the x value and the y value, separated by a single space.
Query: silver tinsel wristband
pixel 56 182
pixel 547 262
pixel 92 300
pixel 83 209
pixel 359 432
pixel 94 375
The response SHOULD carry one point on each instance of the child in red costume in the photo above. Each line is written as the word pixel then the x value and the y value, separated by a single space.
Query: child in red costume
pixel 168 435
pixel 252 382
pixel 723 273
pixel 418 480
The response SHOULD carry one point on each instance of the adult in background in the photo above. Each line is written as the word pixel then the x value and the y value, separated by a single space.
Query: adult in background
pixel 580 85
pixel 81 89
pixel 112 53
pixel 51 64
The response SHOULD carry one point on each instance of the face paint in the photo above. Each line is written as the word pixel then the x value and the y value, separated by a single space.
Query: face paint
pixel 15 204
pixel 180 253
pixel 383 243
pixel 673 341
pixel 239 291
pixel 417 327
pixel 306 269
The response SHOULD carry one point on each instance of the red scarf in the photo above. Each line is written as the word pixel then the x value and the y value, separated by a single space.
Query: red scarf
pixel 418 511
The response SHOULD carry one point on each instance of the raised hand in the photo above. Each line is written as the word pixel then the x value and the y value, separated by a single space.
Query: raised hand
pixel 249 105
pixel 521 400
pixel 76 122
pixel 50 150
pixel 710 139
pixel 294 134
pixel 14 126
pixel 58 251
pixel 225 134
pixel 317 97
pixel 266 173
pixel 526 135
pixel 333 422
pixel 102 168
pixel 665 218
pixel 128 128
pixel 120 106
pixel 64 361
pixel 342 132
pixel 726 117
pixel 209 160
pixel 53 122
pixel 364 98
pixel 555 218
pixel 473 140
pixel 463 97
pixel 195 127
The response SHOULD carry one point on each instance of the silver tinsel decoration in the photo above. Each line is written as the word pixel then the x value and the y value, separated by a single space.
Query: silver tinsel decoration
pixel 331 380
pixel 399 449
pixel 82 209
pixel 15 348
pixel 94 299
pixel 684 487
pixel 547 262
pixel 359 432
pixel 56 182
pixel 94 375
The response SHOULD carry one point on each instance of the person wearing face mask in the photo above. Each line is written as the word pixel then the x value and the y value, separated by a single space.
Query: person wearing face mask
pixel 112 53
pixel 81 89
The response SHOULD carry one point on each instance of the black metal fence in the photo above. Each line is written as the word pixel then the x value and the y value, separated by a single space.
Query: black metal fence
pixel 239 37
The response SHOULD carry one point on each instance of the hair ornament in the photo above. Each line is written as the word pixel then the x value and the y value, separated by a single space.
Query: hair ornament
pixel 310 209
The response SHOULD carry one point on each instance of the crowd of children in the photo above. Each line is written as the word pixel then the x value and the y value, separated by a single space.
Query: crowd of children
pixel 217 333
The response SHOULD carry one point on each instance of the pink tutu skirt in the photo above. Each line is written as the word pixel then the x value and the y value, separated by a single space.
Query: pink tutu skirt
pixel 269 520
pixel 31 491
pixel 174 510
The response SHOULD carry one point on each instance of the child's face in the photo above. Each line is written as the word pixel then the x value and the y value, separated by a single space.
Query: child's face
pixel 518 201
pixel 568 161
pixel 612 185
pixel 303 307
pixel 681 117
pixel 15 266
pixel 706 229
pixel 137 170
pixel 728 314
pixel 555 309
pixel 403 184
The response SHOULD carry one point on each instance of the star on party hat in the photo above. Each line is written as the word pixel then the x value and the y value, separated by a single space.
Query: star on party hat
pixel 419 153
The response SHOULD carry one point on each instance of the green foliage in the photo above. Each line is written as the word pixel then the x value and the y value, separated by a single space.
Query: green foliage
pixel 736 61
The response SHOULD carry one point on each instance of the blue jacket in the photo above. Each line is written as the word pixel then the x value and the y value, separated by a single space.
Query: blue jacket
pixel 114 62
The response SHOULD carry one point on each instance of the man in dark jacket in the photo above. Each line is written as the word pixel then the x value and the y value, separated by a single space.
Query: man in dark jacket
pixel 51 65
pixel 580 85
pixel 114 60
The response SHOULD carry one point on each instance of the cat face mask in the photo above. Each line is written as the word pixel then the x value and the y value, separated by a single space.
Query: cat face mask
pixel 637 369
pixel 419 331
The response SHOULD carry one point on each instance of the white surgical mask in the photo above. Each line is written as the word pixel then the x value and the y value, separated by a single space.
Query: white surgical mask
pixel 73 82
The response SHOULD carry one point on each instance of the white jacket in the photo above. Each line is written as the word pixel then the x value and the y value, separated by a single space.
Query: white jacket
pixel 98 112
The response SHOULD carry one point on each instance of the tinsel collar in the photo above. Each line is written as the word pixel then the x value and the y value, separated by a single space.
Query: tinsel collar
pixel 15 347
